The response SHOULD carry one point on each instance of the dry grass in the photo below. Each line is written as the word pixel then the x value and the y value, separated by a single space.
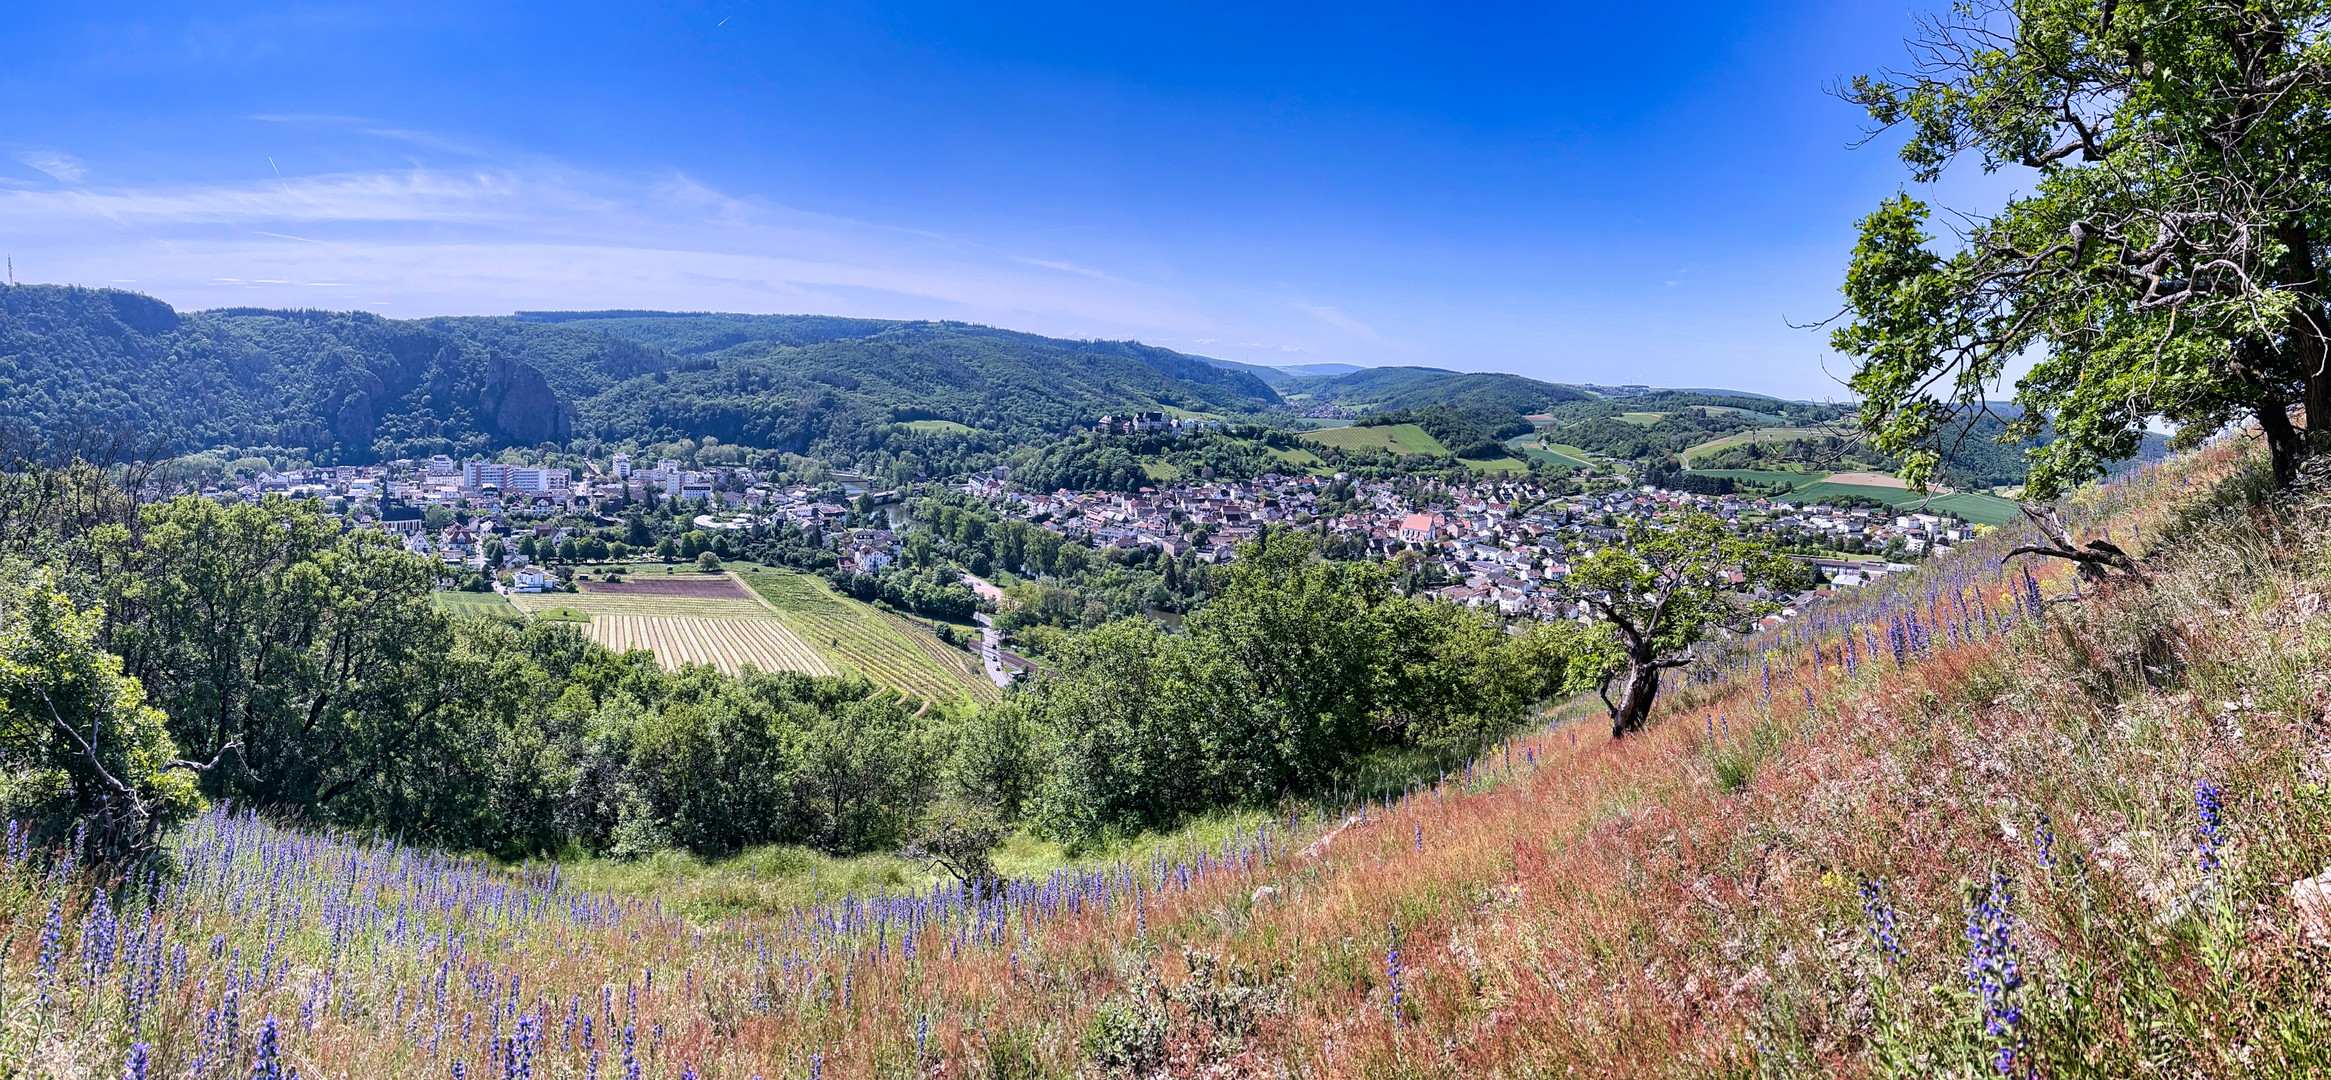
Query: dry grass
pixel 1686 903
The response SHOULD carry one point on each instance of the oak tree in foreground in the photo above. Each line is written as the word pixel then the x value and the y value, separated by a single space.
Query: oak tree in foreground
pixel 1662 592
pixel 2164 261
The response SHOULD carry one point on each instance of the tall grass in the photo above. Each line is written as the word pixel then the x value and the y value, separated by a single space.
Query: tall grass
pixel 2020 827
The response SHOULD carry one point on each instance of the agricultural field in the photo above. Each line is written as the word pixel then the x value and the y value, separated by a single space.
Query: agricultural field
pixel 471 603
pixel 1496 465
pixel 1761 435
pixel 1980 509
pixel 1642 419
pixel 859 637
pixel 686 618
pixel 1298 459
pixel 1398 438
pixel 1533 447
pixel 727 644
pixel 1763 476
pixel 936 426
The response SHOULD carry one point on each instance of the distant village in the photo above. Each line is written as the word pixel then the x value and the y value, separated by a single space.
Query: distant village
pixel 1499 543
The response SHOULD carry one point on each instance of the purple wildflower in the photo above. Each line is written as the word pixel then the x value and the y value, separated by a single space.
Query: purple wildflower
pixel 1994 975
pixel 1885 939
pixel 2207 824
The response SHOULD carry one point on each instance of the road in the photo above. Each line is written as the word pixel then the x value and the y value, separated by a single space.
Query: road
pixel 991 640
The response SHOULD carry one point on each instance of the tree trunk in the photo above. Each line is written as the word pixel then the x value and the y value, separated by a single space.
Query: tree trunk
pixel 1634 707
pixel 2284 444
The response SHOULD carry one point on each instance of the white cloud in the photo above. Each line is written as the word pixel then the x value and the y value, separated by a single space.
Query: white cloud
pixel 56 163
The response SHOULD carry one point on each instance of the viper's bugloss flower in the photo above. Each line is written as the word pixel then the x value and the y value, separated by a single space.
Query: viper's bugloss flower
pixel 1885 939
pixel 2208 824
pixel 1994 974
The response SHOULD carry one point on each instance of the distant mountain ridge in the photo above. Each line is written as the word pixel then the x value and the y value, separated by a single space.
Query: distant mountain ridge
pixel 356 387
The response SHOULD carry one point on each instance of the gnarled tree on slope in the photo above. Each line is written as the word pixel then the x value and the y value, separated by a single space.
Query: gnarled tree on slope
pixel 1664 591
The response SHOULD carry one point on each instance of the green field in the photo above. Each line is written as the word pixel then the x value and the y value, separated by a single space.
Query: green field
pixel 1496 465
pixel 1760 435
pixel 1304 460
pixel 1763 476
pixel 928 426
pixel 1529 446
pixel 1398 438
pixel 1980 509
pixel 885 648
pixel 472 603
pixel 1644 419
pixel 563 614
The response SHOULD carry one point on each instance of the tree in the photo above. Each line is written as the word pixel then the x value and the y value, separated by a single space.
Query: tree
pixel 959 837
pixel 707 562
pixel 1660 593
pixel 2163 267
pixel 493 552
pixel 265 627
pixel 666 550
pixel 77 738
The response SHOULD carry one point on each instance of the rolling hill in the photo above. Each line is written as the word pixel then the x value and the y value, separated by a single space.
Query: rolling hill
pixel 352 387
pixel 1390 389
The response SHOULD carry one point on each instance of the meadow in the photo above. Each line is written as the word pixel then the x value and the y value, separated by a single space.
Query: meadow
pixel 469 603
pixel 1983 819
pixel 1398 438
pixel 1760 435
pixel 1972 506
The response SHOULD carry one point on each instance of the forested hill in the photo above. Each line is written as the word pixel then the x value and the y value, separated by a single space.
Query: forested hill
pixel 1395 388
pixel 353 387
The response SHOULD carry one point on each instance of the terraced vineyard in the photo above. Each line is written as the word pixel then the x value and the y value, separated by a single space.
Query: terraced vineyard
pixel 883 647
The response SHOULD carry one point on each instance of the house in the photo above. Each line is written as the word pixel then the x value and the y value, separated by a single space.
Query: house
pixel 532 580
pixel 1421 528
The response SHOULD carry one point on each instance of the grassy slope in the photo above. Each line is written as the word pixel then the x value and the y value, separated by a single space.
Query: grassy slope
pixel 1743 438
pixel 1686 903
pixel 1399 438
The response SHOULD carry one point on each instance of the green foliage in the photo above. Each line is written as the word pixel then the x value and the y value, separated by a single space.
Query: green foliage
pixel 78 741
pixel 1297 668
pixel 2161 269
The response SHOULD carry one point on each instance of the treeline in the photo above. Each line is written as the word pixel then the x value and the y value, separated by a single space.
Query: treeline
pixel 258 653
pixel 1107 462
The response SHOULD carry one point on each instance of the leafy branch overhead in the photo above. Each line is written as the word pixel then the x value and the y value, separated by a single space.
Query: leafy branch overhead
pixel 2162 266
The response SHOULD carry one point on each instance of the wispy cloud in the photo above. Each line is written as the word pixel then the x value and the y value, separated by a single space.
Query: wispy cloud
pixel 489 240
pixel 1335 317
pixel 1071 268
pixel 56 163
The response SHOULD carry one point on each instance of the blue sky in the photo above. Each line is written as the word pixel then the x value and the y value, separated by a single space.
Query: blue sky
pixel 1594 193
